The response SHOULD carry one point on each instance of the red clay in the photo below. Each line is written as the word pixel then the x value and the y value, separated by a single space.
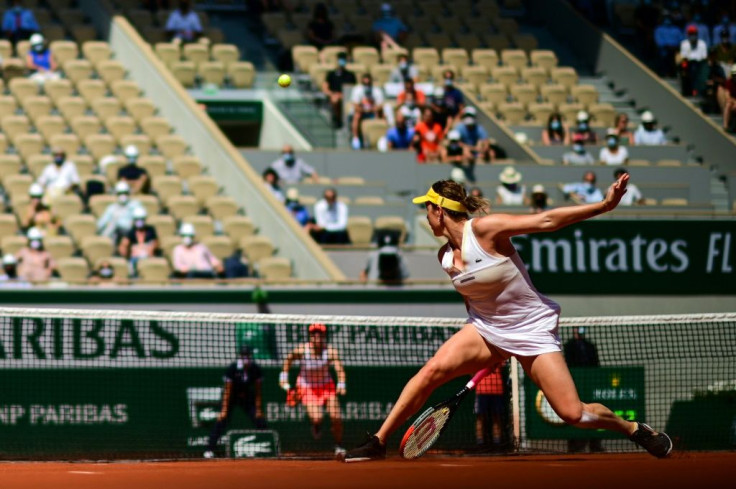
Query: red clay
pixel 632 471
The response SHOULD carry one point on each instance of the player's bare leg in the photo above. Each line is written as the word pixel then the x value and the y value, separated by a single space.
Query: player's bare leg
pixel 314 412
pixel 333 409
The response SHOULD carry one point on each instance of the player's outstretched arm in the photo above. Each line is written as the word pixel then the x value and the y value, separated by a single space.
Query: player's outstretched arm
pixel 296 354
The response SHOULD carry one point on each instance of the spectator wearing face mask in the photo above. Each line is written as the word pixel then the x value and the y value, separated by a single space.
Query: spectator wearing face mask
pixel 410 90
pixel 331 218
pixel 727 27
pixel 103 274
pixel 39 61
pixel 367 101
pixel 386 264
pixel 141 241
pixel 583 133
pixel 584 192
pixel 715 81
pixel 578 155
pixel 701 28
pixel 633 195
pixel 648 133
pixel 183 24
pixel 539 199
pixel 454 153
pixel 453 100
pixel 404 70
pixel 9 273
pixel 667 38
pixel 39 214
pixel 474 136
pixel 271 181
pixel 192 259
pixel 556 132
pixel 320 30
pixel 437 104
pixel 298 210
pixel 510 192
pixel 117 220
pixel 132 174
pixel 291 169
pixel 693 53
pixel 725 51
pixel 35 264
pixel 60 176
pixel 729 99
pixel 427 138
pixel 613 153
pixel 621 127
pixel 19 22
pixel 389 25
pixel 401 135
pixel 333 85
pixel 412 112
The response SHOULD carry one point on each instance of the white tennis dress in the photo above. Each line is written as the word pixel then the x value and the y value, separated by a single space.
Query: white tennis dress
pixel 502 303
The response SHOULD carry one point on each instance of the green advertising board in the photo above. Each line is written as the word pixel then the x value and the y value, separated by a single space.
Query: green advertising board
pixel 621 389
pixel 633 257
pixel 234 110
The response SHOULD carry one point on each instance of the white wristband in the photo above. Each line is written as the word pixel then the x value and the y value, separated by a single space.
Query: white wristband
pixel 284 380
pixel 341 385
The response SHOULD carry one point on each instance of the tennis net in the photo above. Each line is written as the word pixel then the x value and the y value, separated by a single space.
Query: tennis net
pixel 100 384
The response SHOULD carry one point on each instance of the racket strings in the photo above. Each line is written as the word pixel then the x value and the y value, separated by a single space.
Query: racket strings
pixel 426 433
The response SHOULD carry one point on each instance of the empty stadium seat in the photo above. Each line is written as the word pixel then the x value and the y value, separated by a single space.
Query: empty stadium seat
pixel 360 229
pixel 168 52
pixel 96 247
pixel 212 72
pixel 155 165
pixel 71 107
pixel 543 58
pixel 73 269
pixel 554 93
pixel 171 145
pixel 59 246
pixel 274 268
pixel 153 127
pixel 394 223
pixel 106 107
pixel 220 207
pixel 238 227
pixel 507 75
pixel 241 74
pixel 50 125
pixel 120 125
pixel 110 70
pixel 187 166
pixel 13 244
pixel 78 69
pixel 220 246
pixel 8 225
pixel 225 53
pixel 96 51
pixel 203 225
pixel 85 125
pixel 154 270
pixel 79 226
pixel 196 52
pixel 512 112
pixel 140 108
pixel 585 94
pixel 125 89
pixel 373 130
pixel 164 224
pixel 100 145
pixel 140 141
pixel 256 247
pixel 28 144
pixel 181 206
pixel 56 89
pixel 66 205
pixel 565 76
pixel 185 72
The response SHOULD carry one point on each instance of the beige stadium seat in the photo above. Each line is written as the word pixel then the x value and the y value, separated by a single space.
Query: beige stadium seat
pixel 565 76
pixel 514 57
pixel 360 229
pixel 59 246
pixel 110 70
pixel 438 72
pixel 10 164
pixel 181 206
pixel 468 40
pixel 112 164
pixel 166 186
pixel 512 112
pixel 155 165
pixel 36 106
pixel 168 243
pixel 78 69
pixel 79 226
pixel 56 89
pixel 15 125
pixel 603 115
pixel 438 40
pixel 475 75
pixel 585 94
pixel 36 163
pixel 92 89
pixel 638 162
pixel 196 52
pixel 543 58
pixel 350 180
pixel 225 53
pixel 488 58
pixel 395 223
pixel 525 42
pixel 555 94
pixel 171 145
pixel 106 107
pixel 495 93
pixel 96 247
pixel 488 107
pixel 238 227
pixel 73 269
pixel 28 144
pixel 373 130
pixel 304 57
pixel 525 93
pixel 6 49
pixel 153 127
pixel 140 107
pixel 70 143
pixel 66 205
pixel 220 207
pixel 256 247
pixel 318 74
pixel 674 202
pixel 63 51
pixel 3 143
pixel 168 52
pixel 274 268
pixel 71 107
pixel 84 125
pixel 13 244
pixel 154 270
pixel 427 58
pixel 498 42
pixel 366 55
pixel 8 225
pixel 125 89
pixel 50 125
pixel 185 72
pixel 456 57
pixel 22 88
pixel 570 111
pixel 506 26
pixel 119 266
pixel 540 112
pixel 96 51
pixel 241 74
pixel 212 72
pixel 187 166
pixel 85 165
pixel 535 75
pixel 82 33
pixel 329 54
pixel 98 203
pixel 203 225
pixel 14 68
pixel 120 125
pixel 381 73
pixel 100 145
pixel 203 187
pixel 506 75
pixel 150 203
pixel 8 105
pixel 669 163
pixel 220 246
pixel 390 55
pixel 164 224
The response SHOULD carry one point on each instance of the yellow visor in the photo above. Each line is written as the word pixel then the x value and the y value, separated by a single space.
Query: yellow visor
pixel 435 198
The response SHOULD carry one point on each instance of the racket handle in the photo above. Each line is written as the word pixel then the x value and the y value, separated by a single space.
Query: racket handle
pixel 478 377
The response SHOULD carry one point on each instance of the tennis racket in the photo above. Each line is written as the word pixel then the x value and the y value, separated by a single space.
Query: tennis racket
pixel 426 430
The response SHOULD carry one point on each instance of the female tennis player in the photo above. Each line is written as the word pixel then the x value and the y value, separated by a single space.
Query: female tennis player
pixel 506 315
pixel 315 387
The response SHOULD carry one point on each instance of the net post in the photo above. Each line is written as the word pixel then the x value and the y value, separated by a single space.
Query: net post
pixel 515 403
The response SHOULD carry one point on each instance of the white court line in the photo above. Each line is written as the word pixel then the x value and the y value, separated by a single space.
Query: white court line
pixel 83 472
pixel 454 465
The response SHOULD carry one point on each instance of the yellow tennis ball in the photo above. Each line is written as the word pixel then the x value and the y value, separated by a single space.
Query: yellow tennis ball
pixel 284 80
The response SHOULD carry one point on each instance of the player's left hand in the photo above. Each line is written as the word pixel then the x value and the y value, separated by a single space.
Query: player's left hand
pixel 616 191
pixel 341 391
pixel 259 413
pixel 222 415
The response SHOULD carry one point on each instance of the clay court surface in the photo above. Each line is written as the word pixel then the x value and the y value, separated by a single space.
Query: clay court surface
pixel 683 470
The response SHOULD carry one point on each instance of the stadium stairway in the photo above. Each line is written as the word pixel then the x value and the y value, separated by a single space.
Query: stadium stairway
pixel 304 113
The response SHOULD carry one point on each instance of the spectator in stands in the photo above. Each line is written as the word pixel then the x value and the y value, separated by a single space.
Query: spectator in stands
pixel 237 265
pixel 183 24
pixel 633 194
pixel 271 180
pixel 333 85
pixel 389 25
pixel 412 112
pixel 320 30
pixel 725 51
pixel 404 70
pixel 367 101
pixel 191 259
pixel 539 199
pixel 613 153
pixel 331 218
pixel 474 136
pixel 132 174
pixel 729 101
pixel 693 53
pixel 103 274
pixel 9 272
pixel 117 220
pixel 648 133
pixel 418 96
pixel 140 242
pixel 291 169
pixel 583 133
pixel 386 264
pixel 715 82
pixel 35 264
pixel 60 176
pixel 584 192
pixel 19 22
pixel 477 192
pixel 667 37
pixel 400 136
pixel 453 99
pixel 299 211
pixel 578 155
pixel 701 28
pixel 427 138
pixel 621 126
pixel 725 26
pixel 39 214
pixel 459 156
pixel 510 192
pixel 556 132
pixel 39 61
